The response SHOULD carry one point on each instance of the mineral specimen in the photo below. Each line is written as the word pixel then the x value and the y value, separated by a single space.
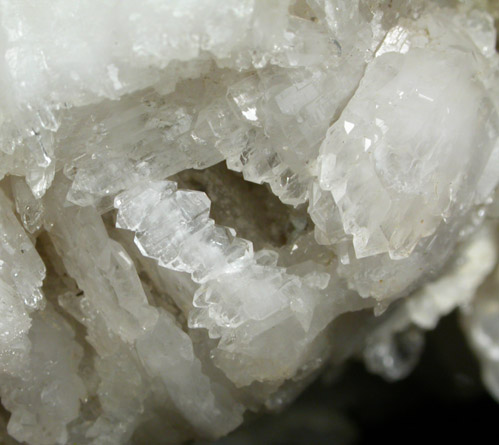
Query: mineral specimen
pixel 205 203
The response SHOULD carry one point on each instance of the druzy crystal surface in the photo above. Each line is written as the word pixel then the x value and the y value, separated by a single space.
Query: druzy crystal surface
pixel 206 203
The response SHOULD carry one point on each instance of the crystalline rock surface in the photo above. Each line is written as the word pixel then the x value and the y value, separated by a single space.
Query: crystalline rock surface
pixel 205 203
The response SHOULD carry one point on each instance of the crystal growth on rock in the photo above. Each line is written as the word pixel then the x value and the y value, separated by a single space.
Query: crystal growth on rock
pixel 204 204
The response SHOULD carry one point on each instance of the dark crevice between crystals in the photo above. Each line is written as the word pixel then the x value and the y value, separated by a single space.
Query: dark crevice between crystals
pixel 251 209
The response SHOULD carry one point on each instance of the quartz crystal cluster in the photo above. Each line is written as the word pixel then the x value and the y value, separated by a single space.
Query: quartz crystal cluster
pixel 205 203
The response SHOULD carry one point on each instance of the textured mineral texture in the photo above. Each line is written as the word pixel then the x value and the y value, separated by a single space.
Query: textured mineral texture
pixel 205 203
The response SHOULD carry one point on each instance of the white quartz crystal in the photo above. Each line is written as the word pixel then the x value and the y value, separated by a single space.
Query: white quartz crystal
pixel 204 203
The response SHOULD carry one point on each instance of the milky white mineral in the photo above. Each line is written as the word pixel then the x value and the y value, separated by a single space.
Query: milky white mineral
pixel 205 203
